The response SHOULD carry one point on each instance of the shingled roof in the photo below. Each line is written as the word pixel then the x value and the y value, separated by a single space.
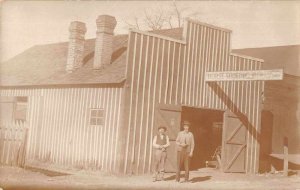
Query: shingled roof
pixel 45 64
pixel 286 57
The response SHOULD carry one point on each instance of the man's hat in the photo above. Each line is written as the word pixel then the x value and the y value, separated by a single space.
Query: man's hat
pixel 162 127
pixel 186 123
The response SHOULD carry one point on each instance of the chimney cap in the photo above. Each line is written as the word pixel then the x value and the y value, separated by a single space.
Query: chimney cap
pixel 106 21
pixel 77 26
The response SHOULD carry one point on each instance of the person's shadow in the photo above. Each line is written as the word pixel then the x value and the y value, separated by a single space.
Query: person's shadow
pixel 193 180
pixel 172 177
pixel 199 179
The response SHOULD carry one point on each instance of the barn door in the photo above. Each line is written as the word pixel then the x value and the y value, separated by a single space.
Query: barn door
pixel 233 144
pixel 169 116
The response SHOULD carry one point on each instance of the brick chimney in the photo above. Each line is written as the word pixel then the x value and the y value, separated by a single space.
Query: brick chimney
pixel 104 40
pixel 76 45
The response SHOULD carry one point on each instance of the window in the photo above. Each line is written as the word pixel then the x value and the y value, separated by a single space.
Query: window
pixel 97 117
pixel 20 108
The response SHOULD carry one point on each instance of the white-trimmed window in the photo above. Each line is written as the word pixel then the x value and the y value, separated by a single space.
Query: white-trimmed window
pixel 96 117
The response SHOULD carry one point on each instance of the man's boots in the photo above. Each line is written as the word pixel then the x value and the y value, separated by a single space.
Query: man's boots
pixel 161 176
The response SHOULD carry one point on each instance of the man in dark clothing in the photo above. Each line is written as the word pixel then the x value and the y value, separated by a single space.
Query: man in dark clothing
pixel 160 144
pixel 185 147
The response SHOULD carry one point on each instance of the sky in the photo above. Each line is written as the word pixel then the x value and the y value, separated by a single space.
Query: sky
pixel 254 23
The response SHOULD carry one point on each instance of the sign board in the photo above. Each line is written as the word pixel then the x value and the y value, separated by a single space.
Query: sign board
pixel 276 74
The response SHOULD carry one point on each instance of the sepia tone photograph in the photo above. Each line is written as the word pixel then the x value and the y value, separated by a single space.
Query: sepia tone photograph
pixel 142 95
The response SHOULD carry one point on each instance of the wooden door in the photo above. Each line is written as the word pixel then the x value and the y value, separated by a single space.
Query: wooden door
pixel 234 141
pixel 170 117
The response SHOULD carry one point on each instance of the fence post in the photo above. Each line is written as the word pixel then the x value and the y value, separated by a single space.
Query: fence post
pixel 285 157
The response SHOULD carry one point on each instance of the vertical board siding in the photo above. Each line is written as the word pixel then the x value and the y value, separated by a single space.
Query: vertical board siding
pixel 59 130
pixel 159 70
pixel 166 71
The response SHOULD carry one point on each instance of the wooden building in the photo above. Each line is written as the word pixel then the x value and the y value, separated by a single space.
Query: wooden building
pixel 281 106
pixel 96 104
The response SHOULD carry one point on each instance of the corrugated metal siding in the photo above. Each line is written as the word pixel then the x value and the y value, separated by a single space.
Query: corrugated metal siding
pixel 59 126
pixel 162 70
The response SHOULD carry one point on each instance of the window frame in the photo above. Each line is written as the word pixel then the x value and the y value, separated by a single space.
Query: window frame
pixel 96 117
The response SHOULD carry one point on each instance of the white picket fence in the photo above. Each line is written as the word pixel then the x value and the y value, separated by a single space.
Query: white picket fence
pixel 13 140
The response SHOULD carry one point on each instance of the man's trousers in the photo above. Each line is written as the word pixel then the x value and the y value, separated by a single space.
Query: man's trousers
pixel 182 158
pixel 159 163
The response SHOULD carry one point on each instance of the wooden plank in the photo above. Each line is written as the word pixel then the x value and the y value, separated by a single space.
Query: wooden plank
pixel 182 81
pixel 24 147
pixel 16 147
pixel 178 75
pixel 192 70
pixel 187 72
pixel 144 122
pixel 13 144
pixel 106 127
pixel 174 84
pixel 130 94
pixel 134 158
pixel 203 64
pixel 141 108
pixel 112 131
pixel 172 75
pixel 2 137
pixel 8 146
pixel 218 67
pixel 161 68
pixel 211 67
pixel 207 65
pixel 155 95
pixel 120 104
pixel 147 162
pixel 167 74
pixel 200 64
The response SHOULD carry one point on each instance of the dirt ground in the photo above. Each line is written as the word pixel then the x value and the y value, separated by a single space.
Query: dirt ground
pixel 206 178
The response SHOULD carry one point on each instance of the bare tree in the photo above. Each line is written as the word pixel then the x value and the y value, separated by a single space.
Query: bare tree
pixel 157 19
pixel 177 14
pixel 135 24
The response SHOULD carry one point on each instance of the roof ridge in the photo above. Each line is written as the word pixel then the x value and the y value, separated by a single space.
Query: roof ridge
pixel 266 47
pixel 60 42
pixel 165 29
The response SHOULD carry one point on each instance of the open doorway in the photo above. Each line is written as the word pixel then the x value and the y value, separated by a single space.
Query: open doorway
pixel 206 126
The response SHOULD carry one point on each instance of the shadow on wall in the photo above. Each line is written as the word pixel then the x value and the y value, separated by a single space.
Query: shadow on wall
pixel 233 108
